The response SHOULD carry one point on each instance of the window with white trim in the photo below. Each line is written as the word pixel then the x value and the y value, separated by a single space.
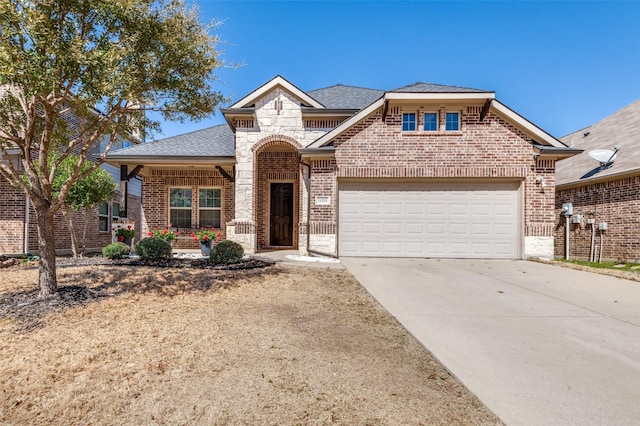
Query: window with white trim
pixel 209 207
pixel 115 210
pixel 430 121
pixel 180 203
pixel 408 121
pixel 453 121
pixel 103 217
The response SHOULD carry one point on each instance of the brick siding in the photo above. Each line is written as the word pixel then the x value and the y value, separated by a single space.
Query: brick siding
pixel 276 161
pixel 616 202
pixel 156 199
pixel 491 149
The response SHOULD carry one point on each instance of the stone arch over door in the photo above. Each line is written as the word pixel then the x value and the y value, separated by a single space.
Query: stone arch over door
pixel 276 192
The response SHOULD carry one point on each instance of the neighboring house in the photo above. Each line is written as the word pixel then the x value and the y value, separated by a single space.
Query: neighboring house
pixel 18 228
pixel 421 171
pixel 602 194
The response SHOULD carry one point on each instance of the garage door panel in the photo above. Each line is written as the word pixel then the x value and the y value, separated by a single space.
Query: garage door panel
pixel 466 220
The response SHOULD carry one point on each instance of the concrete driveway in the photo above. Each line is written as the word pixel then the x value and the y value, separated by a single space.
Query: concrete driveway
pixel 538 344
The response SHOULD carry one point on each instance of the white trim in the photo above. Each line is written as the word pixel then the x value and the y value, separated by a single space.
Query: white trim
pixel 210 208
pixel 438 96
pixel 190 188
pixel 269 86
pixel 437 113
pixel 346 124
pixel 526 124
pixel 459 129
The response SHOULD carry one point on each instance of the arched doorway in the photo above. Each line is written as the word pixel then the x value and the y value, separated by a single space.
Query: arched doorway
pixel 277 198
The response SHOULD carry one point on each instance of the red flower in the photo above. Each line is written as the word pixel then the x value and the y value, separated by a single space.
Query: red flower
pixel 121 238
pixel 155 228
pixel 205 237
pixel 193 235
pixel 150 234
pixel 129 227
pixel 165 231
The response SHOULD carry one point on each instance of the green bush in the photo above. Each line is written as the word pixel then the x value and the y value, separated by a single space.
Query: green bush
pixel 153 249
pixel 226 252
pixel 115 250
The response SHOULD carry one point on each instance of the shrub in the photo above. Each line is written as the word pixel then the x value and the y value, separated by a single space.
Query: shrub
pixel 115 250
pixel 153 249
pixel 226 252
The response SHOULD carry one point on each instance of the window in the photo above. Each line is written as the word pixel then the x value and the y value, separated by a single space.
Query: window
pixel 453 121
pixel 408 122
pixel 180 207
pixel 431 121
pixel 115 210
pixel 103 217
pixel 209 207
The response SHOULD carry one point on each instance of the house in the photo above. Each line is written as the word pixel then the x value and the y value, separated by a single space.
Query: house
pixel 425 170
pixel 18 228
pixel 603 189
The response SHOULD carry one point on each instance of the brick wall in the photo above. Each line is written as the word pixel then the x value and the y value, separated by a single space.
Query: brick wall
pixel 156 199
pixel 277 163
pixel 12 206
pixel 616 202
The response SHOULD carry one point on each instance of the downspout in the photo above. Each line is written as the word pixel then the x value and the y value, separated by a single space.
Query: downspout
pixel 308 205
pixel 592 253
pixel 566 238
pixel 27 206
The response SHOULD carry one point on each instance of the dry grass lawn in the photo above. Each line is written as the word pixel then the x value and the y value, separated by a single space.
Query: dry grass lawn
pixel 274 346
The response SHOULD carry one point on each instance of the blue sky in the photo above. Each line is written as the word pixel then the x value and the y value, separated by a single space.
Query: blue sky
pixel 563 65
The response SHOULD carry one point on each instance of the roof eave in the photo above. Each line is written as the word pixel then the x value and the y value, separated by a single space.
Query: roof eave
pixel 526 125
pixel 555 153
pixel 598 179
pixel 270 85
pixel 166 160
pixel 438 95
pixel 317 153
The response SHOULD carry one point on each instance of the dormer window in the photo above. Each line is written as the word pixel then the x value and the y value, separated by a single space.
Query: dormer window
pixel 408 122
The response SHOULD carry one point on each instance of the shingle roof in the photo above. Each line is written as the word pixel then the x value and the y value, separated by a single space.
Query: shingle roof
pixel 216 141
pixel 437 88
pixel 345 97
pixel 622 129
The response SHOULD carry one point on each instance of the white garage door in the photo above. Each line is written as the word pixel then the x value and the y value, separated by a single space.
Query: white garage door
pixel 448 220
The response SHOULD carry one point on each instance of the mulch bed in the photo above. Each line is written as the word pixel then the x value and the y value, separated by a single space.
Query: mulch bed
pixel 28 309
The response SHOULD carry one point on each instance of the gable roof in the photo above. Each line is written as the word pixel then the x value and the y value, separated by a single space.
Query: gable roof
pixel 212 142
pixel 270 85
pixel 345 97
pixel 622 129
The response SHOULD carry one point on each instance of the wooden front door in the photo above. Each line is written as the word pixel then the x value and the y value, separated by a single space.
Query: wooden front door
pixel 281 215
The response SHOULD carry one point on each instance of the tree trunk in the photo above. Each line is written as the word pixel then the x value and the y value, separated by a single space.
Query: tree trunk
pixel 46 245
pixel 68 215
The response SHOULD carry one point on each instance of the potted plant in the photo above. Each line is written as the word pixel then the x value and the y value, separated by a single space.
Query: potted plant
pixel 125 235
pixel 164 234
pixel 206 237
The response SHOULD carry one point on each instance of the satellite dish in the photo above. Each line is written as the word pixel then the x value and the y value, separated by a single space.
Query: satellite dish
pixel 603 156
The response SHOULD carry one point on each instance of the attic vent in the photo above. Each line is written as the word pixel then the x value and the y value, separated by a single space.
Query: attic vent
pixel 322 124
pixel 245 124
pixel 394 111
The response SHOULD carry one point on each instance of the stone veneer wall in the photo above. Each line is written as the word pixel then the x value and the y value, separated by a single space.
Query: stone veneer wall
pixel 616 202
pixel 156 199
